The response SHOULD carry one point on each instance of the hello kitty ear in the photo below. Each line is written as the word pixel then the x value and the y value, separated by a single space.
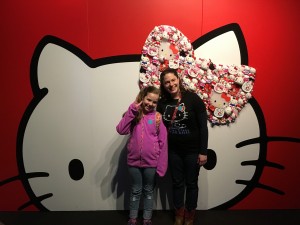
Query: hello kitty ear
pixel 55 63
pixel 230 76
pixel 225 45
pixel 57 67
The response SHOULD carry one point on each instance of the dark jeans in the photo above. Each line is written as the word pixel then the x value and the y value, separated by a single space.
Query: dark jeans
pixel 185 171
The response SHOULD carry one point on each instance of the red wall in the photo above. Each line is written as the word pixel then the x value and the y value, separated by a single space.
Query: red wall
pixel 102 29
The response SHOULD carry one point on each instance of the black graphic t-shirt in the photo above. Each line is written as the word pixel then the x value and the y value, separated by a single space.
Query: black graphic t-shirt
pixel 188 132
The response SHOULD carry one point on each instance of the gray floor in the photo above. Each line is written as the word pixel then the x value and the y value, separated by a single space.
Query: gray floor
pixel 205 217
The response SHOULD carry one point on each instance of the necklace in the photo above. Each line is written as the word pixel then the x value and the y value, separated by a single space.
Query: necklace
pixel 175 111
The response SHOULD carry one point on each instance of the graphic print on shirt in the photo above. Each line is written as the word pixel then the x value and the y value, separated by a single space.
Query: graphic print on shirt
pixel 181 114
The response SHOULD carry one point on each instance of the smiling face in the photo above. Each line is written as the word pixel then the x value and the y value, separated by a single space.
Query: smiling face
pixel 171 84
pixel 150 102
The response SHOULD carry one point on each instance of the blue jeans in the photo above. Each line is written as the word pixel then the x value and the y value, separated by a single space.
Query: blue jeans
pixel 184 171
pixel 143 181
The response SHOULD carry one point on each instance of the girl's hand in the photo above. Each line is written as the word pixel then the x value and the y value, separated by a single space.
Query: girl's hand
pixel 137 104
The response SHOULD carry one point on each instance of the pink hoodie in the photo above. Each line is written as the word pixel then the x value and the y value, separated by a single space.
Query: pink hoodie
pixel 147 144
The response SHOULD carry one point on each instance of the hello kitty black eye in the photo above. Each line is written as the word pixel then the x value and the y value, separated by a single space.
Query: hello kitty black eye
pixel 211 159
pixel 76 169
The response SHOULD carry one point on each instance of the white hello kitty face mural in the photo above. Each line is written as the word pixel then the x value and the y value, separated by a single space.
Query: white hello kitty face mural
pixel 70 156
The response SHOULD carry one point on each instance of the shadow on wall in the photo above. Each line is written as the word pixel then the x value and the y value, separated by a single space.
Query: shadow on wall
pixel 164 191
pixel 117 181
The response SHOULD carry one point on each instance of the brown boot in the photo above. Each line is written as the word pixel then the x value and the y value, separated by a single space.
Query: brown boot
pixel 189 217
pixel 179 216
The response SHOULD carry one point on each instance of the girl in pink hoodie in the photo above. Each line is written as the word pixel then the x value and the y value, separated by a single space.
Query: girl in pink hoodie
pixel 146 150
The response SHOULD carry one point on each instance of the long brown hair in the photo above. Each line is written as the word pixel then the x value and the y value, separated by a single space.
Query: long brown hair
pixel 140 97
pixel 164 93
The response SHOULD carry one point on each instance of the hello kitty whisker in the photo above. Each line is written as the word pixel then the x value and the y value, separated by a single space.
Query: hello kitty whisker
pixel 248 142
pixel 33 201
pixel 262 186
pixel 266 139
pixel 266 163
pixel 28 176
pixel 11 179
pixel 36 174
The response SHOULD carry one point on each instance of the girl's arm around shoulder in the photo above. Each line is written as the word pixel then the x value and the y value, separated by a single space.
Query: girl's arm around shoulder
pixel 162 163
pixel 159 106
pixel 125 123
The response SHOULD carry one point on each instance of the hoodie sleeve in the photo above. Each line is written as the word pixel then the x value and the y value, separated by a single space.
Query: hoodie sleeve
pixel 162 163
pixel 124 125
